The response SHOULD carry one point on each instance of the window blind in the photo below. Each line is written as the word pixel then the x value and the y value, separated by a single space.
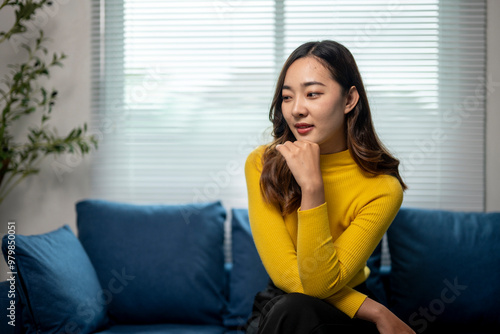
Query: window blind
pixel 181 91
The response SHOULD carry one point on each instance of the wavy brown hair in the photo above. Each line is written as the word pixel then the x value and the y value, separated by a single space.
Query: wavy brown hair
pixel 277 183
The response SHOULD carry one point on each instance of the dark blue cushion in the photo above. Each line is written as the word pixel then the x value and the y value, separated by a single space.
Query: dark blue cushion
pixel 157 263
pixel 445 267
pixel 248 275
pixel 57 284
pixel 165 329
pixel 11 308
pixel 374 281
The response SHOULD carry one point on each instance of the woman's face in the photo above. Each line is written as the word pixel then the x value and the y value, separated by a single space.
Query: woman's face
pixel 313 105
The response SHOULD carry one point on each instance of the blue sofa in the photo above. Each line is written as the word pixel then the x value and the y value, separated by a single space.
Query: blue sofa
pixel 444 275
pixel 167 269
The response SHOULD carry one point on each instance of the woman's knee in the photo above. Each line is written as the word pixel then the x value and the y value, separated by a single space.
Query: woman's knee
pixel 293 313
pixel 293 304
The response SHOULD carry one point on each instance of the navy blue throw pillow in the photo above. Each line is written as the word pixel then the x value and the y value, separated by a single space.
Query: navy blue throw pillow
pixel 158 263
pixel 56 282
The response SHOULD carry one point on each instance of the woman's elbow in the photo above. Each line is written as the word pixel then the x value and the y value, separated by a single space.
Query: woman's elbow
pixel 319 287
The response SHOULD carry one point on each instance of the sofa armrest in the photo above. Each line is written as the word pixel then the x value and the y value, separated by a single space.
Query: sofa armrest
pixel 10 320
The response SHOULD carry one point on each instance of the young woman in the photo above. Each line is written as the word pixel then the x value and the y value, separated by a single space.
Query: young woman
pixel 321 196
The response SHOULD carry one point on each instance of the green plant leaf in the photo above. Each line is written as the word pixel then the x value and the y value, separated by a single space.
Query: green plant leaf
pixel 18 76
pixel 22 156
pixel 29 110
pixel 26 47
pixel 33 157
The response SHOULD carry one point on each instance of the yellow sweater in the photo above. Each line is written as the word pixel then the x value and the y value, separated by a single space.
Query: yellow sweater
pixel 322 252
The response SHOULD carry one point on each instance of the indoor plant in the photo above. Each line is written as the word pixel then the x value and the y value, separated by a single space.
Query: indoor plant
pixel 22 94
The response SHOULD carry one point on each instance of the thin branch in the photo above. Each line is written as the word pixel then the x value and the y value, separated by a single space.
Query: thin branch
pixel 5 3
pixel 4 193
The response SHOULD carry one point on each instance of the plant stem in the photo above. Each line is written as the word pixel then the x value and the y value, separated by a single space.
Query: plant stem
pixel 4 192
pixel 38 145
pixel 5 2
pixel 9 179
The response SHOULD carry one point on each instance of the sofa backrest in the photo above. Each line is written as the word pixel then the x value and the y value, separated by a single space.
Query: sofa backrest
pixel 445 268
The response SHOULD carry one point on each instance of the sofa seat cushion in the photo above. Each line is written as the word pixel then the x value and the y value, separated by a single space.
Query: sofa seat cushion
pixel 157 263
pixel 57 284
pixel 445 268
pixel 164 329
pixel 461 329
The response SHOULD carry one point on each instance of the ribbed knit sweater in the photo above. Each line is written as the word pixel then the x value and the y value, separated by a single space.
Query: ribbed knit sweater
pixel 322 252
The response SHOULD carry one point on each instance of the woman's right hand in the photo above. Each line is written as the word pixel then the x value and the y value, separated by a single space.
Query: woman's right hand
pixel 389 323
pixel 386 321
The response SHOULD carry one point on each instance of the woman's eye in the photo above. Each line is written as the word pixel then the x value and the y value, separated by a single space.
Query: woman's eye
pixel 286 98
pixel 313 94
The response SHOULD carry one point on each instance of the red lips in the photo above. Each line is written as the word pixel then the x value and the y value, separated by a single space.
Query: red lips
pixel 303 128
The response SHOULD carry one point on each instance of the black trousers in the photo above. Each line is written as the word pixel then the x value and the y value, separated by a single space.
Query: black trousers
pixel 275 311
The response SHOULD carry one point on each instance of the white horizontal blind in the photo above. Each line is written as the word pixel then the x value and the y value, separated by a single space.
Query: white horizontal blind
pixel 182 91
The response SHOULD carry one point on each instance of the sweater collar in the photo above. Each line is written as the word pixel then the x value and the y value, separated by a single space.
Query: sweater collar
pixel 338 159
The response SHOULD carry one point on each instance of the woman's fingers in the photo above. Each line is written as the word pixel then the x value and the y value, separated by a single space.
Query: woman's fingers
pixel 303 160
pixel 289 146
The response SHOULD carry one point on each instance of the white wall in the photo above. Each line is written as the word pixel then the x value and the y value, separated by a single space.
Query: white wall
pixel 44 202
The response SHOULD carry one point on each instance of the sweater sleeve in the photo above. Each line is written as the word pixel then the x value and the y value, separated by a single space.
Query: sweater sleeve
pixel 273 243
pixel 327 265
pixel 278 253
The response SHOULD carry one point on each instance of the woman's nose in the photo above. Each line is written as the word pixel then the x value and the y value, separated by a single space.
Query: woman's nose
pixel 299 108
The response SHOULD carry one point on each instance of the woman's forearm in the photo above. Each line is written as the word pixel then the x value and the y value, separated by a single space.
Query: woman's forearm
pixel 370 310
pixel 386 321
pixel 312 196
